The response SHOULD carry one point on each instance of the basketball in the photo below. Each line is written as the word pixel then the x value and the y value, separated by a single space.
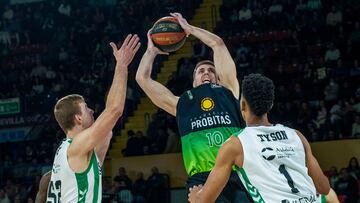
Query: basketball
pixel 167 34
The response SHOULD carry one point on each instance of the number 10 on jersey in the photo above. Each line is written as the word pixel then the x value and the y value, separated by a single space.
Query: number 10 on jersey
pixel 215 138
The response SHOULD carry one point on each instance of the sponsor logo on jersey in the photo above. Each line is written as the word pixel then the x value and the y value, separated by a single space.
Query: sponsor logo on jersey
pixel 207 104
pixel 285 152
pixel 210 119
pixel 99 167
pixel 56 168
pixel 215 85
pixel 189 94
pixel 272 137
pixel 309 199
pixel 82 194
pixel 268 153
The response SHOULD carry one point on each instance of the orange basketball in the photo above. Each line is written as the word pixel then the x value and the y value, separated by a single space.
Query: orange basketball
pixel 167 34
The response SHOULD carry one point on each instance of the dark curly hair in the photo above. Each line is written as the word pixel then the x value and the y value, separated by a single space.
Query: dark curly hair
pixel 258 91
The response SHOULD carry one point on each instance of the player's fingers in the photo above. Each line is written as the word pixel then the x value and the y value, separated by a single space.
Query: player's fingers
pixel 133 42
pixel 173 15
pixel 126 41
pixel 113 46
pixel 137 47
pixel 163 52
pixel 178 14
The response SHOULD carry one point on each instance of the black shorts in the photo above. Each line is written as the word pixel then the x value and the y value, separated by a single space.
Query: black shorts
pixel 234 190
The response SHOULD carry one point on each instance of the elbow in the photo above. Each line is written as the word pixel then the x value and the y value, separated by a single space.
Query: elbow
pixel 141 79
pixel 138 77
pixel 116 111
pixel 324 188
pixel 217 42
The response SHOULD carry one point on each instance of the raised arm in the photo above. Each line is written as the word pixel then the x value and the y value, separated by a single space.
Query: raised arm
pixel 43 186
pixel 158 93
pixel 320 180
pixel 84 143
pixel 103 147
pixel 224 64
pixel 229 154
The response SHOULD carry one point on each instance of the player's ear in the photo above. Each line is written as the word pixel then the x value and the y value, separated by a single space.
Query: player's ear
pixel 78 119
pixel 242 104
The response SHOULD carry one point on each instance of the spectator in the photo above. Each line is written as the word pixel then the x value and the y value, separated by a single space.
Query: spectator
pixel 156 186
pixel 161 141
pixel 124 194
pixel 355 34
pixel 173 141
pixel 332 54
pixel 334 17
pixel 314 4
pixel 321 118
pixel 29 154
pixel 276 7
pixel 64 8
pixel 122 176
pixel 140 188
pixel 135 144
pixel 130 100
pixel 152 127
pixel 39 70
pixel 355 70
pixel 337 113
pixel 17 199
pixel 8 14
pixel 353 168
pixel 245 14
pixel 355 132
pixel 333 176
pixel 63 55
pixel 3 196
pixel 234 18
pixel 305 114
pixel 331 91
pixel 348 186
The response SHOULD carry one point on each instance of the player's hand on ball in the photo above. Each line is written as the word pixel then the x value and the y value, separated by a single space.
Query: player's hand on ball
pixel 193 192
pixel 183 22
pixel 152 48
pixel 127 51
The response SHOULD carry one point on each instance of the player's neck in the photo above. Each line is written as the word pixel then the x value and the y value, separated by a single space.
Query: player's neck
pixel 258 121
pixel 74 131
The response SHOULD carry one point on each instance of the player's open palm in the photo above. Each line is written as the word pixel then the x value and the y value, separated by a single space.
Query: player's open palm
pixel 127 51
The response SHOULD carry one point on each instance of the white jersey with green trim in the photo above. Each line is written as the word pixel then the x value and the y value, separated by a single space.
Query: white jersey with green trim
pixel 274 168
pixel 69 187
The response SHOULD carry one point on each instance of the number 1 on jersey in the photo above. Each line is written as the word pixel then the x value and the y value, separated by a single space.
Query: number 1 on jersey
pixel 290 181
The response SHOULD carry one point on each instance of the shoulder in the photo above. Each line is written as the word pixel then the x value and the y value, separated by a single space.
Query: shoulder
pixel 232 144
pixel 240 132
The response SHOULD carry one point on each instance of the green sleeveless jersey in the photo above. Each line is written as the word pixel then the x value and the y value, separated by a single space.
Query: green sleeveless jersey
pixel 206 116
